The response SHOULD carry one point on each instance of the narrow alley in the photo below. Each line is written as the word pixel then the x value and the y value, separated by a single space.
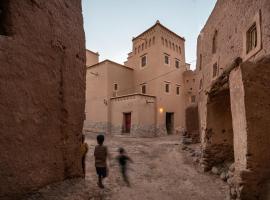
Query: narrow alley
pixel 160 172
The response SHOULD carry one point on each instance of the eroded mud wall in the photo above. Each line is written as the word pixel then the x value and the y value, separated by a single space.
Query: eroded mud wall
pixel 252 128
pixel 218 146
pixel 42 89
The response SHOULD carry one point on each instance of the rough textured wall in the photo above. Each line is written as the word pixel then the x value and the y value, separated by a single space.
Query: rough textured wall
pixel 230 19
pixel 42 85
pixel 218 146
pixel 143 114
pixel 256 78
pixel 192 123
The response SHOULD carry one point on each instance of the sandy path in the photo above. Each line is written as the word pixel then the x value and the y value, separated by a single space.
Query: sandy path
pixel 160 172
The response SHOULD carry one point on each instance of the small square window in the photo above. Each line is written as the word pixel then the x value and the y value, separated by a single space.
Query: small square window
pixel 143 89
pixel 115 87
pixel 178 90
pixel 143 61
pixel 166 59
pixel 215 70
pixel 167 87
pixel 177 64
pixel 252 38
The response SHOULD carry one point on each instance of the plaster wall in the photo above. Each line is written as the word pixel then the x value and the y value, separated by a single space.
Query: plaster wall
pixel 142 109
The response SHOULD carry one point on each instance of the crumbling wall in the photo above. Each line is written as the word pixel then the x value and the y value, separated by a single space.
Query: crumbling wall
pixel 192 123
pixel 218 143
pixel 42 89
pixel 251 128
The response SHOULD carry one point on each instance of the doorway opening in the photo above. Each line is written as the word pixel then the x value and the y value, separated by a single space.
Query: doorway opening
pixel 219 146
pixel 4 23
pixel 126 122
pixel 169 122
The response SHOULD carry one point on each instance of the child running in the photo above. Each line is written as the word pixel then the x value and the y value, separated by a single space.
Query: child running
pixel 123 160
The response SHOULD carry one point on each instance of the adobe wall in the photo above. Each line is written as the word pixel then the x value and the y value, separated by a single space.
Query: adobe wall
pixel 251 115
pixel 230 18
pixel 192 123
pixel 100 80
pixel 218 146
pixel 143 117
pixel 42 86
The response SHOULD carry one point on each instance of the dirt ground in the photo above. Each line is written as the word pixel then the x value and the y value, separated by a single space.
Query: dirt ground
pixel 160 171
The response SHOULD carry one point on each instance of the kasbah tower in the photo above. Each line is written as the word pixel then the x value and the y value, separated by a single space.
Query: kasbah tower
pixel 159 54
pixel 147 96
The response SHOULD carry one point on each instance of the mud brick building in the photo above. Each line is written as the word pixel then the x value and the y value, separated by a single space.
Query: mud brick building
pixel 146 96
pixel 42 89
pixel 233 71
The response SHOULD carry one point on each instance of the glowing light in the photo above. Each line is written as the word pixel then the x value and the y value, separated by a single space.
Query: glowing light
pixel 161 110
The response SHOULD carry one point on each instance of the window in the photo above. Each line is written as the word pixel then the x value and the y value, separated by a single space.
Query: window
pixel 215 70
pixel 193 80
pixel 193 99
pixel 139 49
pixel 115 87
pixel 3 17
pixel 214 42
pixel 143 61
pixel 167 87
pixel 251 38
pixel 143 87
pixel 178 90
pixel 149 42
pixel 201 84
pixel 135 50
pixel 177 63
pixel 166 59
pixel 200 62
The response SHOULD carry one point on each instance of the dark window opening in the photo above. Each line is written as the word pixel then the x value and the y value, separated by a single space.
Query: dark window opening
pixel 166 59
pixel 177 90
pixel 215 70
pixel 143 89
pixel 143 61
pixel 214 45
pixel 4 8
pixel 115 87
pixel 201 84
pixel 167 87
pixel 252 38
pixel 177 64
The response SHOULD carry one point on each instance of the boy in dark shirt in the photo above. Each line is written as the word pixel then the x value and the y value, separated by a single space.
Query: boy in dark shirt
pixel 123 159
pixel 101 154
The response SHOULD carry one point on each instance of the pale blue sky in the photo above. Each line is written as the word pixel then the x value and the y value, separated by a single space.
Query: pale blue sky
pixel 110 24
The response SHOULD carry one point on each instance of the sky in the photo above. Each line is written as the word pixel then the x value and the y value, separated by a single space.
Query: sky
pixel 110 25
